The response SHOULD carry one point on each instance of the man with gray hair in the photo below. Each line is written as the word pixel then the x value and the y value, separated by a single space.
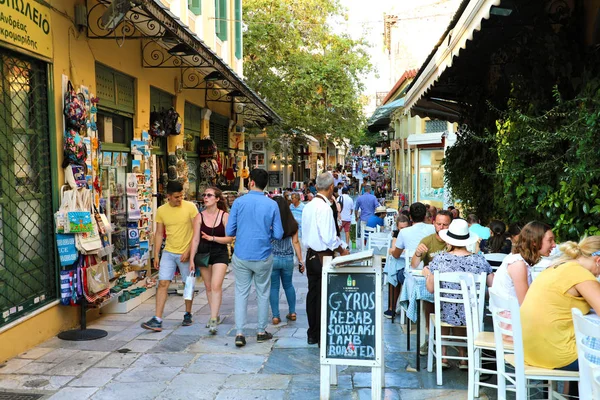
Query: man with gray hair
pixel 320 238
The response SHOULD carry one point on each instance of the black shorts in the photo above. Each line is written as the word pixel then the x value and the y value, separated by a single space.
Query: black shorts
pixel 218 257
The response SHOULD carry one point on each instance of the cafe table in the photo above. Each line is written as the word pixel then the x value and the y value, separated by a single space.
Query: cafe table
pixel 413 292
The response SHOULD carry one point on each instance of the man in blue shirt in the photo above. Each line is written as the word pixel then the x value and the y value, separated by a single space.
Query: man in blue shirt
pixel 376 219
pixel 366 203
pixel 254 221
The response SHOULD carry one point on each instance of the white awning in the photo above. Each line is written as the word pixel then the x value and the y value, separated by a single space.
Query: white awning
pixel 310 138
pixel 425 138
pixel 450 47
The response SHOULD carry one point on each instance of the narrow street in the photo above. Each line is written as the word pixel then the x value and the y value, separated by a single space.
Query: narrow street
pixel 188 363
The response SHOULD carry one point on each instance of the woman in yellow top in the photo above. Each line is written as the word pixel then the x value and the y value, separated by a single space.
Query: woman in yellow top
pixel 548 331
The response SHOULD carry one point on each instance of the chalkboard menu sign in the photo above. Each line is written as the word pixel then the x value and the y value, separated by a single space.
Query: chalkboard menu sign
pixel 350 333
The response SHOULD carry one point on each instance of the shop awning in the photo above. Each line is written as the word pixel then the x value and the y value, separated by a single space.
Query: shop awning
pixel 380 120
pixel 168 43
pixel 467 20
pixel 425 138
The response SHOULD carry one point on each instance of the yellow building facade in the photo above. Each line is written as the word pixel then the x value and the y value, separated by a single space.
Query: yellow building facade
pixel 135 58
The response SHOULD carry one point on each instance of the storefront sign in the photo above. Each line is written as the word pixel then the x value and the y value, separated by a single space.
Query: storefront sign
pixel 26 24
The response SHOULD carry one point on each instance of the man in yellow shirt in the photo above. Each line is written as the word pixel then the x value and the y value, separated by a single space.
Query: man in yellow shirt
pixel 175 218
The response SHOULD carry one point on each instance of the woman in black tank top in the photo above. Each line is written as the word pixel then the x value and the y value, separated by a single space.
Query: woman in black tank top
pixel 210 238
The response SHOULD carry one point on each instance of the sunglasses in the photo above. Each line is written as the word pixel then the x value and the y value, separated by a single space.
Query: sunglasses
pixel 208 195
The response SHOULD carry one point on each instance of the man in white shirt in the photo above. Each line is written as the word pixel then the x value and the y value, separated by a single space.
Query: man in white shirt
pixel 320 238
pixel 347 205
pixel 409 238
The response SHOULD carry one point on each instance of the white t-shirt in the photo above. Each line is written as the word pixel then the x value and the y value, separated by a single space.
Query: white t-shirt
pixel 409 238
pixel 347 207
pixel 503 283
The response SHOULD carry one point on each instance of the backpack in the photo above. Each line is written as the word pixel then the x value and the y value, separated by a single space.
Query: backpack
pixel 157 128
pixel 75 111
pixel 74 150
pixel 172 122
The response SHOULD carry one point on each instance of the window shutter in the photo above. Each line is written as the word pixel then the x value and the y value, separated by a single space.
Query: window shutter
pixel 195 6
pixel 238 30
pixel 221 19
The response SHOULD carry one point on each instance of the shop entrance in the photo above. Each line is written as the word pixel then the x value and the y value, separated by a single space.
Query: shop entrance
pixel 27 259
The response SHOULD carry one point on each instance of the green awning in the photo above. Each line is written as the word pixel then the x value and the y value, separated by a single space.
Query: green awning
pixel 380 120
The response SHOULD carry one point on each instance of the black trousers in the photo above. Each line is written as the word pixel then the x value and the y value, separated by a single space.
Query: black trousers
pixel 314 267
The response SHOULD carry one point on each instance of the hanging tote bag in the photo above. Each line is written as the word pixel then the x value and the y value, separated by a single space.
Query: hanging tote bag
pixel 89 242
pixel 60 217
pixel 75 111
pixel 97 277
pixel 67 250
pixel 79 215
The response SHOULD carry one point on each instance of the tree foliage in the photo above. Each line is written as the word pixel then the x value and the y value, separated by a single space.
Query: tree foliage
pixel 529 151
pixel 308 73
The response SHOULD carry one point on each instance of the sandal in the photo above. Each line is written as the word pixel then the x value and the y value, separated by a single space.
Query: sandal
pixel 463 365
pixel 276 320
pixel 445 364
pixel 291 317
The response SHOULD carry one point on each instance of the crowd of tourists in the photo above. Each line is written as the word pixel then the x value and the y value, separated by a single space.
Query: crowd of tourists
pixel 442 241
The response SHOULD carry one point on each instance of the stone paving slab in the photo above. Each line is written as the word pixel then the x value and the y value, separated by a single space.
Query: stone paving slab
pixel 118 360
pixel 227 364
pixel 187 386
pixel 95 377
pixel 251 394
pixel 35 353
pixel 74 393
pixel 258 381
pixel 130 390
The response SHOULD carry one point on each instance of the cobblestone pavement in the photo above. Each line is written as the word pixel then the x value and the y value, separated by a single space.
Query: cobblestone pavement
pixel 188 363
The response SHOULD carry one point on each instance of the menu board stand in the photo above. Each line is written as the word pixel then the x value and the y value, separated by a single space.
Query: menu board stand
pixel 351 319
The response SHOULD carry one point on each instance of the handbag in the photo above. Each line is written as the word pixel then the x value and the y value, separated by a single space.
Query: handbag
pixel 97 277
pixel 79 217
pixel 202 259
pixel 67 250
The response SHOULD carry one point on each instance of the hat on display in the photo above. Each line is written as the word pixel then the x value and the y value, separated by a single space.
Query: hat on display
pixel 458 234
pixel 380 209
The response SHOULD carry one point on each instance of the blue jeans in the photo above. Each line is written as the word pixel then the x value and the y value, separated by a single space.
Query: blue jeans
pixel 283 268
pixel 245 273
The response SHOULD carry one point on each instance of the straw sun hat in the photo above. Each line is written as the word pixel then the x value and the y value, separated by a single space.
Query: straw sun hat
pixel 458 234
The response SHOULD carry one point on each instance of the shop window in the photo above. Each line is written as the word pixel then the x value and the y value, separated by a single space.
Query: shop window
pixel 435 125
pixel 192 123
pixel 431 175
pixel 221 19
pixel 192 126
pixel 195 6
pixel 114 128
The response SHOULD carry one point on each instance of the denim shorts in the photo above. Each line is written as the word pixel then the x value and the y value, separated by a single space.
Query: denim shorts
pixel 169 263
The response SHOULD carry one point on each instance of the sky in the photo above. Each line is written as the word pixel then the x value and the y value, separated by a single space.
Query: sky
pixel 420 25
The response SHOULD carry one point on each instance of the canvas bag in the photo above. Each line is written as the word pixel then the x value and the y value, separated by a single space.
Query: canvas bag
pixel 79 217
pixel 60 217
pixel 97 277
pixel 89 242
pixel 67 251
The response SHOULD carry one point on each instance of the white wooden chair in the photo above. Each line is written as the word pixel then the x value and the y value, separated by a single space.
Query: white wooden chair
pixel 585 332
pixel 390 218
pixel 511 326
pixel 365 236
pixel 481 341
pixel 436 339
pixel 380 242
pixel 496 258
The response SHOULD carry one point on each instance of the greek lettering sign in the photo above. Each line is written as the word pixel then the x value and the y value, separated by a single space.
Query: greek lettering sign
pixel 26 24
pixel 351 316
